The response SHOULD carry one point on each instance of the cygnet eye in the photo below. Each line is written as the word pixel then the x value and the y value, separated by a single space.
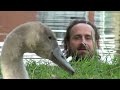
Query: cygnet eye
pixel 50 37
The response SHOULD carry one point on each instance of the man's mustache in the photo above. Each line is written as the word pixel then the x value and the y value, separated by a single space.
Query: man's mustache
pixel 83 46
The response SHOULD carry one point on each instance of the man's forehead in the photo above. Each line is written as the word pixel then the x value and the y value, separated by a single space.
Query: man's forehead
pixel 83 26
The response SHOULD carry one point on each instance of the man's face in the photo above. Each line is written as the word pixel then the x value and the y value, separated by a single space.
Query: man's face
pixel 81 40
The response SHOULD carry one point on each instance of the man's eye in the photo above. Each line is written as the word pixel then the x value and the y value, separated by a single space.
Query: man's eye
pixel 89 37
pixel 76 38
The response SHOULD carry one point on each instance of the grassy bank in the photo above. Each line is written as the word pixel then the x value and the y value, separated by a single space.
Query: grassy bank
pixel 84 70
pixel 87 69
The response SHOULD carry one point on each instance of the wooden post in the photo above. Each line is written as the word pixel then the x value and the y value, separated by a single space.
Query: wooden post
pixel 91 16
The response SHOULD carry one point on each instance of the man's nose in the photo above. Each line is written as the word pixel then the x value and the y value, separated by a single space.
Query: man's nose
pixel 83 41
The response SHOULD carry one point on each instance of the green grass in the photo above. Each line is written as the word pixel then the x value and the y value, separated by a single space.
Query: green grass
pixel 87 69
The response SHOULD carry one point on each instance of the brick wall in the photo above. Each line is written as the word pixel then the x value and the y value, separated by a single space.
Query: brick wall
pixel 10 19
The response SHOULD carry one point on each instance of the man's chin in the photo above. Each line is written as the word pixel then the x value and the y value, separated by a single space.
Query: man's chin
pixel 83 55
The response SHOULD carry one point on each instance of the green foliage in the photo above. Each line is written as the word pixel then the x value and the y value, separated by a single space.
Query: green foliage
pixel 87 69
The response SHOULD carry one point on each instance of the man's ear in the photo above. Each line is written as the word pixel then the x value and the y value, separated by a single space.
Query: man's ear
pixel 68 45
pixel 98 44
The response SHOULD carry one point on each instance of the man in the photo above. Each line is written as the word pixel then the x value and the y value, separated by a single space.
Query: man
pixel 81 40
